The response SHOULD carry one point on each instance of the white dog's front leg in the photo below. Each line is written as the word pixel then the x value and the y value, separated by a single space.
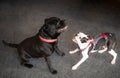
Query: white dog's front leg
pixel 74 51
pixel 85 56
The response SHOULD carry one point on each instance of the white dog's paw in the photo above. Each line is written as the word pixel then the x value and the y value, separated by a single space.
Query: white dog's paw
pixel 103 50
pixel 93 51
pixel 74 68
pixel 71 52
pixel 100 51
pixel 113 62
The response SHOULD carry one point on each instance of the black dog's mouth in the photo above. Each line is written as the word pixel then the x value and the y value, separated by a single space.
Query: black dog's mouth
pixel 63 29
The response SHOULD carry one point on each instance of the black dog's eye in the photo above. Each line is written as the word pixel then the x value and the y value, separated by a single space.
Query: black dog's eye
pixel 58 26
pixel 62 22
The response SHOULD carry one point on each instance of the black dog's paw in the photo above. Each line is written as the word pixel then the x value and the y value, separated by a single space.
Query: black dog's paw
pixel 28 65
pixel 62 54
pixel 53 71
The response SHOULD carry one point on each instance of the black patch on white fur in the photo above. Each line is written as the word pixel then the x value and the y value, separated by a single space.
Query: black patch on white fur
pixel 84 40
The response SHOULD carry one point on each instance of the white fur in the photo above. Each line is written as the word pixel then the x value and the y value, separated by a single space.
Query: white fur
pixel 85 48
pixel 74 51
pixel 101 51
pixel 114 54
pixel 80 34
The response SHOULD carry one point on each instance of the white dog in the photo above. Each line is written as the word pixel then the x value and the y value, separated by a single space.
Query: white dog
pixel 86 44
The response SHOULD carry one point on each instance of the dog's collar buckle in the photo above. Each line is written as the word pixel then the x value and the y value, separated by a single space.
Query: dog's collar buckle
pixel 47 40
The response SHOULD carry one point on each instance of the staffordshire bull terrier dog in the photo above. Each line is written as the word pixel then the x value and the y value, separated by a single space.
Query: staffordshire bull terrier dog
pixel 43 44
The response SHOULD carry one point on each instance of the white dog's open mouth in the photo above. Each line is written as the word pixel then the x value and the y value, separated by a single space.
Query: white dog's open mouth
pixel 74 40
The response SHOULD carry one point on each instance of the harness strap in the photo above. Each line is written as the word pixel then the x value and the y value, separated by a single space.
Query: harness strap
pixel 103 35
pixel 81 50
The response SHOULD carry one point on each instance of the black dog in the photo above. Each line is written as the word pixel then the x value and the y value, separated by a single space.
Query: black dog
pixel 43 44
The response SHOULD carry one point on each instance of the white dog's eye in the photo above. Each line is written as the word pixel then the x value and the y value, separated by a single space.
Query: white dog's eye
pixel 80 37
pixel 76 34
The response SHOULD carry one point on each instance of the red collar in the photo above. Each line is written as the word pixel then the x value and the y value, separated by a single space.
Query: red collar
pixel 47 40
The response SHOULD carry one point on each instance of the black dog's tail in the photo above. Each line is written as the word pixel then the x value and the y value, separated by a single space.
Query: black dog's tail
pixel 10 44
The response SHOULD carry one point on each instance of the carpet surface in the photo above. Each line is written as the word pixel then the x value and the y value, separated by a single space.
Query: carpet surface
pixel 20 19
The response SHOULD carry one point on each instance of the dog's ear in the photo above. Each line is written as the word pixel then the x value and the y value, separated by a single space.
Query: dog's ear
pixel 89 36
pixel 46 20
pixel 62 22
pixel 51 20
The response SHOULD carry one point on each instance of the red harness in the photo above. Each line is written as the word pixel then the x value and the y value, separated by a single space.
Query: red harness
pixel 47 40
pixel 87 46
pixel 102 34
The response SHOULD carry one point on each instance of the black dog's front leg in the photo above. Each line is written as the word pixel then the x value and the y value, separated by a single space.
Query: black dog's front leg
pixel 53 71
pixel 59 52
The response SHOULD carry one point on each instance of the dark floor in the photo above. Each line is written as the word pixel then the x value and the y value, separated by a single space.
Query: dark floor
pixel 20 19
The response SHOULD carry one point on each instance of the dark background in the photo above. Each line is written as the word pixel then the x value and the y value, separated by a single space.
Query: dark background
pixel 20 19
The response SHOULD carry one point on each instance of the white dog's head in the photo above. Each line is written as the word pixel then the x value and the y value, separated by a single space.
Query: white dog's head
pixel 82 37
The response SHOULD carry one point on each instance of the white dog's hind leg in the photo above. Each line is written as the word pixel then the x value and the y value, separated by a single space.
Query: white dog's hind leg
pixel 103 50
pixel 114 54
pixel 85 56
pixel 74 51
pixel 93 51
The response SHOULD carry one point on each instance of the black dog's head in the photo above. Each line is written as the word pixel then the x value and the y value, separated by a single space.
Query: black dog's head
pixel 52 27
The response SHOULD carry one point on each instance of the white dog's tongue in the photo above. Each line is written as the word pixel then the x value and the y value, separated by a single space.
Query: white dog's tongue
pixel 66 27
